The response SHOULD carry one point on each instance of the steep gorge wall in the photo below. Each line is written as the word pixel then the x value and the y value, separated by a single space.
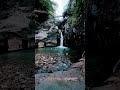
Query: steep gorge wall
pixel 102 39
pixel 73 26
pixel 96 30
pixel 16 22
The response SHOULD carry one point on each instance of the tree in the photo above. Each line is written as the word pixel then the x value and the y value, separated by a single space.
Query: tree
pixel 46 5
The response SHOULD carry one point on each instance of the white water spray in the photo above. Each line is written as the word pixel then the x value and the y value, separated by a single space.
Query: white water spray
pixel 61 40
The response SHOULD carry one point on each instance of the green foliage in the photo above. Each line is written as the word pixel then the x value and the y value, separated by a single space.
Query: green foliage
pixel 73 11
pixel 46 5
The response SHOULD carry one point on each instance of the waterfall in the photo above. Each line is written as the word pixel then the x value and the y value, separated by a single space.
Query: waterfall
pixel 61 40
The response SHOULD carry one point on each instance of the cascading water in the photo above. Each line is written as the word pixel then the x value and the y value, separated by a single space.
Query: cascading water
pixel 61 40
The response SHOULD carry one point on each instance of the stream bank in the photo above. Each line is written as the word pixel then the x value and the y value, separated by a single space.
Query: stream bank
pixel 16 70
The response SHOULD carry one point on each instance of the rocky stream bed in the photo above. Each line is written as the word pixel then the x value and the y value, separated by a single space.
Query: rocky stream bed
pixel 55 71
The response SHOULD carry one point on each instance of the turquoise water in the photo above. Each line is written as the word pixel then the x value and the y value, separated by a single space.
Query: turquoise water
pixel 56 50
pixel 73 55
pixel 28 57
pixel 68 54
pixel 71 85
pixel 25 56
pixel 17 69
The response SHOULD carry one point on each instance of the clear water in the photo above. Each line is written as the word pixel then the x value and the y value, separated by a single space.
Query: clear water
pixel 59 52
pixel 25 56
pixel 71 85
pixel 74 55
pixel 59 55
pixel 56 50
pixel 28 57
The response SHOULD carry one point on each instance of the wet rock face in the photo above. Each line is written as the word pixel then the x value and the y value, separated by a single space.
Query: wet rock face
pixel 15 24
pixel 74 33
pixel 102 40
pixel 47 33
pixel 113 82
pixel 51 43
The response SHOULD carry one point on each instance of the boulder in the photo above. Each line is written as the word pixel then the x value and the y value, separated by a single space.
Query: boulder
pixel 40 44
pixel 51 43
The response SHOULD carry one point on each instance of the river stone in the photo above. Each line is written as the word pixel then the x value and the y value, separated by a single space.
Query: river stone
pixel 40 44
